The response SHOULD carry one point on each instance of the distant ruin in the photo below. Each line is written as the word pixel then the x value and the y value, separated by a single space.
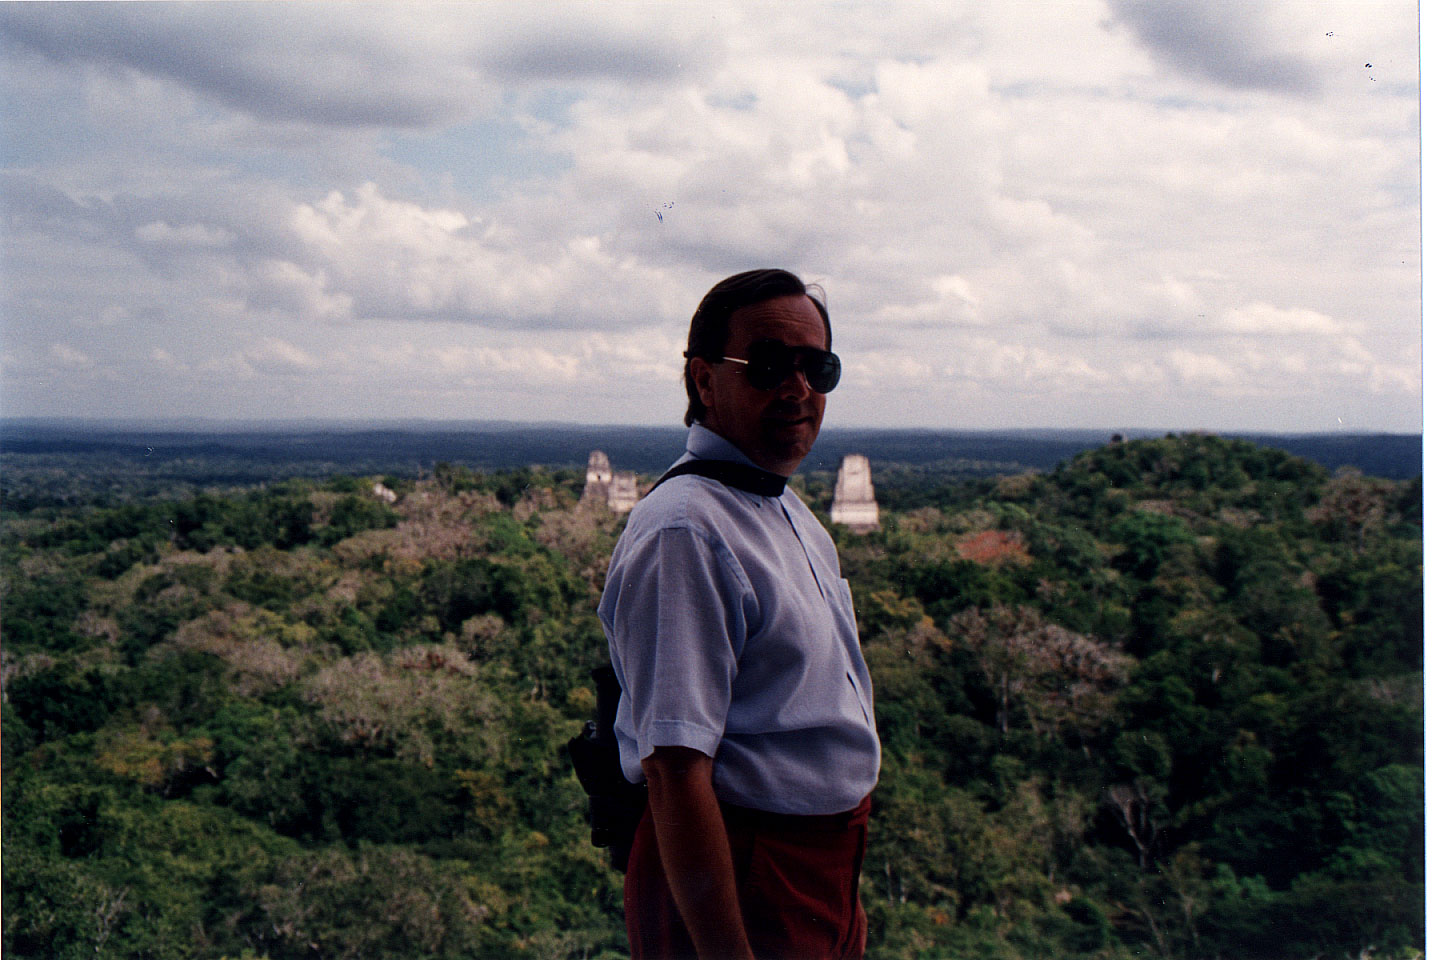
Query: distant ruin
pixel 603 485
pixel 855 505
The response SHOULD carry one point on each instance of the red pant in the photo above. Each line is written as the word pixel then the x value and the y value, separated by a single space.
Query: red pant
pixel 798 879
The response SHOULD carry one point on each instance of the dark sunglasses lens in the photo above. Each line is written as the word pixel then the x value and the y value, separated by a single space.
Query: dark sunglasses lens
pixel 771 362
pixel 822 370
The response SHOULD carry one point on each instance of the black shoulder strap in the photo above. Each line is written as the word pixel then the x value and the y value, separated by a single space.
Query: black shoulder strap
pixel 739 475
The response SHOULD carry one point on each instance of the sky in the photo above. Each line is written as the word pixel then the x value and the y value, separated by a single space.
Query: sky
pixel 1161 214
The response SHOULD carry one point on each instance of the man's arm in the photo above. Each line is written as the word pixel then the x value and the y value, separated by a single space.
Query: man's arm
pixel 695 851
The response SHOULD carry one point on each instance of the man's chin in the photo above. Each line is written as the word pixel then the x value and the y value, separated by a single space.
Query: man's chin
pixel 790 444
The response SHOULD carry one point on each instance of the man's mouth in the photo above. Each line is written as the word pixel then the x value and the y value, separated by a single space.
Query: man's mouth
pixel 789 418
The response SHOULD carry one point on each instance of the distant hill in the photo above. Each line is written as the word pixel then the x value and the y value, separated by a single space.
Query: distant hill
pixel 406 447
pixel 1393 456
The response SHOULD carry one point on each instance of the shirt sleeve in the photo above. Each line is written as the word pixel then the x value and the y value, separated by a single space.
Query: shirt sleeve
pixel 678 632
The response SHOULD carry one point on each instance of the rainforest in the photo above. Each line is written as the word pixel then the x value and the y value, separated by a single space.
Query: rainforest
pixel 1162 700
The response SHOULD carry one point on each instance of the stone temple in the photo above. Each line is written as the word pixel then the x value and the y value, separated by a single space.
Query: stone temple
pixel 855 505
pixel 602 485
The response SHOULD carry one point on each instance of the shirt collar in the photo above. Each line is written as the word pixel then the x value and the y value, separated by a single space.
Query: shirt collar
pixel 705 444
pixel 702 443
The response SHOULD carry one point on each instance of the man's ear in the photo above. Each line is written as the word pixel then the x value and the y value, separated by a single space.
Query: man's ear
pixel 702 372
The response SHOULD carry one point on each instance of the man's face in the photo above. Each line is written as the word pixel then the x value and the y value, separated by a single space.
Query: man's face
pixel 775 428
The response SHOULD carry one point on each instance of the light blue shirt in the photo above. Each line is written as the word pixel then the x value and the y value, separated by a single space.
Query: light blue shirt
pixel 733 633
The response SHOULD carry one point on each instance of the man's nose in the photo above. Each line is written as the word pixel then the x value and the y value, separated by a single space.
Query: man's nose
pixel 795 386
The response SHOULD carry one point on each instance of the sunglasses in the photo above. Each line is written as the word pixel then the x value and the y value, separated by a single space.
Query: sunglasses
pixel 772 361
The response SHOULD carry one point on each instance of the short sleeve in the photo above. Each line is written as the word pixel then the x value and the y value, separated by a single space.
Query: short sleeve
pixel 676 606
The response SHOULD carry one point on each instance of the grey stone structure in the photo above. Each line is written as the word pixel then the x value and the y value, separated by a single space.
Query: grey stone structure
pixel 617 490
pixel 855 505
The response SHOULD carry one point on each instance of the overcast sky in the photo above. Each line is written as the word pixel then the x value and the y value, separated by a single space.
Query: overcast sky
pixel 1058 213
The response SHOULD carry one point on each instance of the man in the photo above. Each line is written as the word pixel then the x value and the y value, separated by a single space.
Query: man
pixel 746 705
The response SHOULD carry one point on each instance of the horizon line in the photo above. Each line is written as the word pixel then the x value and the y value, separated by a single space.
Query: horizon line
pixel 275 424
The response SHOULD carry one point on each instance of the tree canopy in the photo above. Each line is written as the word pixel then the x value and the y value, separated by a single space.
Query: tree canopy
pixel 1162 701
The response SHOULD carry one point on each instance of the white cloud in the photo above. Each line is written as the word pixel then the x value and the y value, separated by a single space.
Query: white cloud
pixel 1202 368
pixel 1230 42
pixel 952 304
pixel 287 287
pixel 70 358
pixel 283 63
pixel 384 258
pixel 1265 320
pixel 165 358
pixel 273 356
pixel 1026 367
pixel 876 369
pixel 527 365
pixel 1055 204
pixel 189 235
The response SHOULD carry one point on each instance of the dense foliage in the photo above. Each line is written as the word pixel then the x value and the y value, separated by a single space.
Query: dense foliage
pixel 1163 701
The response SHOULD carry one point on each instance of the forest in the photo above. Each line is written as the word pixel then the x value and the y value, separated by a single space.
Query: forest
pixel 1162 701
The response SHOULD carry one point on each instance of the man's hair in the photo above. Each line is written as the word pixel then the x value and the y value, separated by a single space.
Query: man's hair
pixel 710 327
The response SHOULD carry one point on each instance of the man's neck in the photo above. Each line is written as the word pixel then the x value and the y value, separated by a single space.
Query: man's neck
pixel 781 469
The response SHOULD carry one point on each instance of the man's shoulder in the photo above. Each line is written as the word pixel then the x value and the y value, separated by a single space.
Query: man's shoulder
pixel 683 501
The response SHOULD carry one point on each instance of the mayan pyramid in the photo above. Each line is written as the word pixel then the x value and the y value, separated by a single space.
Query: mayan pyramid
pixel 602 485
pixel 855 505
